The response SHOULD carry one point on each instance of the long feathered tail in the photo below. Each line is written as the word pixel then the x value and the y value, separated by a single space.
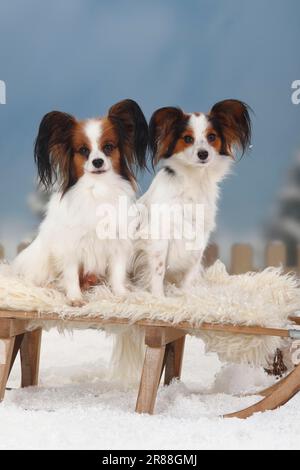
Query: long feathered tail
pixel 128 356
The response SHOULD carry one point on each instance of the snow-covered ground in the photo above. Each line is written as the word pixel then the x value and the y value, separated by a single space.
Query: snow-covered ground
pixel 76 408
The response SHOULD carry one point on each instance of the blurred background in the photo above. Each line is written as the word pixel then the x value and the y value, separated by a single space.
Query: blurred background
pixel 81 56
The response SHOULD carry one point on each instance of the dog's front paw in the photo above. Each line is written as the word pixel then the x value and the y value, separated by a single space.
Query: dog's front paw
pixel 120 291
pixel 77 303
pixel 159 293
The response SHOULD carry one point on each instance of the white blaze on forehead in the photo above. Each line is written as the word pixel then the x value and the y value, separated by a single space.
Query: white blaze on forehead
pixel 93 131
pixel 199 124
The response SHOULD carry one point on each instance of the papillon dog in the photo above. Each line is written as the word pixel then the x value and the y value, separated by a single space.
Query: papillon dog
pixel 196 152
pixel 94 162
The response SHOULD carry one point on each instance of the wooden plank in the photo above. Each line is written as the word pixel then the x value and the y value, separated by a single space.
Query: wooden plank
pixel 241 258
pixel 275 254
pixel 30 357
pixel 157 337
pixel 150 380
pixel 296 320
pixel 249 330
pixel 1 252
pixel 211 255
pixel 6 351
pixel 174 358
pixel 10 327
pixel 246 330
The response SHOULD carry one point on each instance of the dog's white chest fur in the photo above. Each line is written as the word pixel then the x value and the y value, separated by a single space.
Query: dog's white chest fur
pixel 194 194
pixel 85 213
pixel 71 236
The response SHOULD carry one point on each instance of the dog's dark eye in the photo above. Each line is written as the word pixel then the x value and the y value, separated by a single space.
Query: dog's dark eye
pixel 188 139
pixel 211 137
pixel 108 149
pixel 84 151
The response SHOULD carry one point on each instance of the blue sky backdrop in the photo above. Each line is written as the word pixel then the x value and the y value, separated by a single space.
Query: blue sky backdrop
pixel 81 56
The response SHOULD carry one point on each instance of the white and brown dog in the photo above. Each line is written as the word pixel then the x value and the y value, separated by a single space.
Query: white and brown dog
pixel 196 152
pixel 94 162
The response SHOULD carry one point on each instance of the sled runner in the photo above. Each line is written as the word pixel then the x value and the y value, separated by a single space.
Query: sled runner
pixel 164 354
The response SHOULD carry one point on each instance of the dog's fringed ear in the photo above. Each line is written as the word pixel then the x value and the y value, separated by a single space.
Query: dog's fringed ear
pixel 165 128
pixel 53 150
pixel 232 117
pixel 132 128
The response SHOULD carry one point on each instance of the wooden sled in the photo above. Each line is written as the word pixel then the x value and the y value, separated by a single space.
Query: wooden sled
pixel 164 354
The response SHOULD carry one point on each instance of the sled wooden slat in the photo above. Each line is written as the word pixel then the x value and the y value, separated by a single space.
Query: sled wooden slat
pixel 229 328
pixel 279 396
pixel 267 391
pixel 295 319
pixel 10 327
pixel 164 351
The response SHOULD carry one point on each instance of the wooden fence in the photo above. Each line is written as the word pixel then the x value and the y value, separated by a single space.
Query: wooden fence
pixel 242 257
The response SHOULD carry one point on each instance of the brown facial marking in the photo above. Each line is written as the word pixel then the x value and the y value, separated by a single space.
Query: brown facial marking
pixel 109 144
pixel 217 143
pixel 78 164
pixel 79 141
pixel 185 140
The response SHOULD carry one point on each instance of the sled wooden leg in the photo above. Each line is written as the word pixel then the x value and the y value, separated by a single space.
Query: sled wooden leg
pixel 150 379
pixel 17 346
pixel 156 340
pixel 6 351
pixel 279 394
pixel 30 357
pixel 174 357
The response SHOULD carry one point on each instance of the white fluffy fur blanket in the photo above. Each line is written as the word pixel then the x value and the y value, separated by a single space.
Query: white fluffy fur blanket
pixel 266 299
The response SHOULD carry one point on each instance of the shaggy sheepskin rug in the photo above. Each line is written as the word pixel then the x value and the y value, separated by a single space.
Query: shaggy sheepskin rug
pixel 266 299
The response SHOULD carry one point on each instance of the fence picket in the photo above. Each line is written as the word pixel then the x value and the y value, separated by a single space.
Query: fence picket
pixel 241 258
pixel 276 254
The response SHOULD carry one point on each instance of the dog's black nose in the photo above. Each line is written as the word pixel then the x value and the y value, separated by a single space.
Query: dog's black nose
pixel 98 163
pixel 203 154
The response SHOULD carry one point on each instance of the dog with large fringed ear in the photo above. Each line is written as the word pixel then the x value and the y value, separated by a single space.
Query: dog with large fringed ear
pixel 93 164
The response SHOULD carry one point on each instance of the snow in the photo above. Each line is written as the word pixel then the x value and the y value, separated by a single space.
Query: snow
pixel 75 407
